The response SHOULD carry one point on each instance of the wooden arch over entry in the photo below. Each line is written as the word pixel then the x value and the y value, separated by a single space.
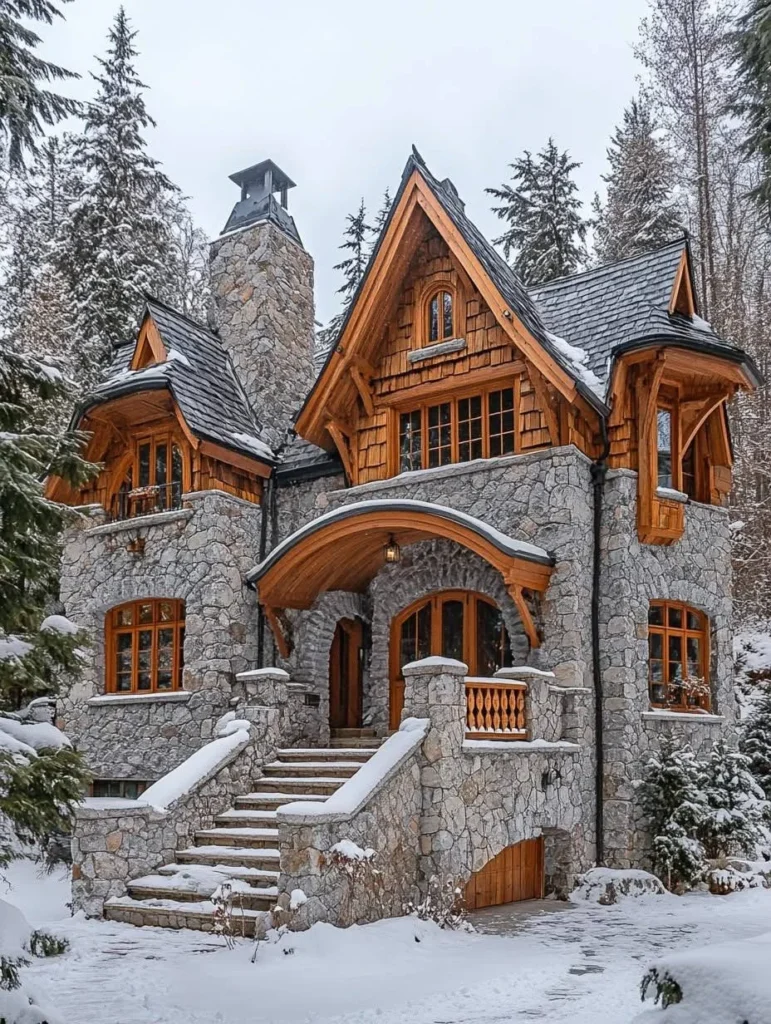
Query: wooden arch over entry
pixel 345 549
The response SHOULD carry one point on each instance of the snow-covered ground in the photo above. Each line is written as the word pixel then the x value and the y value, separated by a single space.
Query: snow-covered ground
pixel 581 965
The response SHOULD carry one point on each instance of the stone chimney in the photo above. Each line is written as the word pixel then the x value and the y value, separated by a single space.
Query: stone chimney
pixel 262 282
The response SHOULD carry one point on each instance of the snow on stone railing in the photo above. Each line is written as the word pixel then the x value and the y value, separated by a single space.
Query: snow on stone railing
pixel 115 840
pixel 358 791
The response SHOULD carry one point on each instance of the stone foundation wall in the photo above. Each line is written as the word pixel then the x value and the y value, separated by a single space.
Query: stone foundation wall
pixel 199 554
pixel 697 570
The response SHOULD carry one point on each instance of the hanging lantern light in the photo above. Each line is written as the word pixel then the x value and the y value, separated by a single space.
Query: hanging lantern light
pixel 392 551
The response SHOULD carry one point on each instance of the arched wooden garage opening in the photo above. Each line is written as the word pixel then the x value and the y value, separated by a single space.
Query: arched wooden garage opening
pixel 345 549
pixel 516 874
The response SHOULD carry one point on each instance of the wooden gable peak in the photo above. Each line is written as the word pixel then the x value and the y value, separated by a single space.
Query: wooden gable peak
pixel 682 300
pixel 339 384
pixel 149 349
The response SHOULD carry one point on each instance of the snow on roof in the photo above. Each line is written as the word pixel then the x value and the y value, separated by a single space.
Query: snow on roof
pixel 579 360
pixel 509 545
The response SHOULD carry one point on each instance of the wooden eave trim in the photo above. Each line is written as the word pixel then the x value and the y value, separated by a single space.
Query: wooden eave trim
pixel 235 459
pixel 340 435
pixel 701 415
pixel 452 386
pixel 282 641
pixel 362 387
pixel 518 597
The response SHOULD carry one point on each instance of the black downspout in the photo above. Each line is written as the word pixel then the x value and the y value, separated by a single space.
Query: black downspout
pixel 267 499
pixel 599 471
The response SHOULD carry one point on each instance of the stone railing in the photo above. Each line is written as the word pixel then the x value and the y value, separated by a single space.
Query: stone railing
pixel 116 840
pixel 355 857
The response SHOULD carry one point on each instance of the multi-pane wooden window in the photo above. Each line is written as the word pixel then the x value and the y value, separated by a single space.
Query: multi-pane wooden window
pixel 458 430
pixel 440 317
pixel 144 646
pixel 153 482
pixel 678 657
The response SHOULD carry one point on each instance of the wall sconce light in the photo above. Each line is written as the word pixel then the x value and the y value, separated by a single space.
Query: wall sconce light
pixel 392 551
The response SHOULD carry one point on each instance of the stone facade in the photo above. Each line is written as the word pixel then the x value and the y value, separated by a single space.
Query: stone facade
pixel 199 554
pixel 262 283
pixel 696 570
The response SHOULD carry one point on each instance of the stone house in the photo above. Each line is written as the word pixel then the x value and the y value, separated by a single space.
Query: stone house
pixel 492 516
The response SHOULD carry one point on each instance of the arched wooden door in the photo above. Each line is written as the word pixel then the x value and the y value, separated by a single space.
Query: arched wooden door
pixel 345 675
pixel 515 874
pixel 453 624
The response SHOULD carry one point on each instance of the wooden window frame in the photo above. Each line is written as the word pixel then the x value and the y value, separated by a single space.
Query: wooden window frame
pixel 669 401
pixel 470 599
pixel 690 700
pixel 113 629
pixel 512 384
pixel 167 437
pixel 440 289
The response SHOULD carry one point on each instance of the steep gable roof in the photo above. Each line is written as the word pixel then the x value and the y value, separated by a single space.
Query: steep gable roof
pixel 625 305
pixel 507 297
pixel 200 376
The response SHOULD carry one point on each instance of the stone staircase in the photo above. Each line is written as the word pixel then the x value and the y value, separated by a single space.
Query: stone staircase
pixel 241 849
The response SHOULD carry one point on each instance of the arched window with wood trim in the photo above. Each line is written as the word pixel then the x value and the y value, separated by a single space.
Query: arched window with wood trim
pixel 457 624
pixel 440 311
pixel 678 657
pixel 144 646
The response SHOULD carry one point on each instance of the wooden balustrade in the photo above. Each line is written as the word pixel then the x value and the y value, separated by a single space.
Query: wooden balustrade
pixel 495 709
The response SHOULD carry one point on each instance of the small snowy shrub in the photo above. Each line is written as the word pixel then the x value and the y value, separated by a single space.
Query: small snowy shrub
pixel 665 989
pixel 674 805
pixel 755 740
pixel 366 896
pixel 735 804
pixel 443 904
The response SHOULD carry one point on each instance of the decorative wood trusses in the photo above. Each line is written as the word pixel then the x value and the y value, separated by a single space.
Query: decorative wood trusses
pixel 344 550
pixel 326 417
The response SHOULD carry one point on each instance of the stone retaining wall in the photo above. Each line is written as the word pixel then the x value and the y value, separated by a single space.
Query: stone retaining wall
pixel 115 841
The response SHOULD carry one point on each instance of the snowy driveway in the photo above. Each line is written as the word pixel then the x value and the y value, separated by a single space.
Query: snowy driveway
pixel 582 966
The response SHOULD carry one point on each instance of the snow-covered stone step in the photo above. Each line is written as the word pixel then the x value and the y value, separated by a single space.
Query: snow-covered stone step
pixel 304 769
pixel 272 801
pixel 250 837
pixel 247 897
pixel 359 754
pixel 307 786
pixel 236 818
pixel 264 858
pixel 164 913
pixel 253 876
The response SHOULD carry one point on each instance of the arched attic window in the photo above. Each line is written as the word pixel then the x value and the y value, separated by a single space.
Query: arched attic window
pixel 440 312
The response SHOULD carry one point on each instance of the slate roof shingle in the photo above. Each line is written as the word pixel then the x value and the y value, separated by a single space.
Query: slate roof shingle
pixel 300 458
pixel 622 305
pixel 199 374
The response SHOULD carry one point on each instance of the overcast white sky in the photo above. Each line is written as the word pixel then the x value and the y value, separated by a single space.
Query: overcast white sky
pixel 336 92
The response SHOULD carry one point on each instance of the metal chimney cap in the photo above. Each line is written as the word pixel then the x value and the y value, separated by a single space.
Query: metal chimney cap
pixel 256 173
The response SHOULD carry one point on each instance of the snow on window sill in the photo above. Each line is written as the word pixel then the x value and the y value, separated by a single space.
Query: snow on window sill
pixel 174 696
pixel 441 348
pixel 670 494
pixel 130 525
pixel 660 714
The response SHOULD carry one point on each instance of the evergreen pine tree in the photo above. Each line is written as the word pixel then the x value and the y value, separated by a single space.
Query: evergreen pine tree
pixel 734 802
pixel 26 107
pixel 356 241
pixel 545 229
pixel 380 219
pixel 755 741
pixel 674 806
pixel 752 99
pixel 639 213
pixel 116 243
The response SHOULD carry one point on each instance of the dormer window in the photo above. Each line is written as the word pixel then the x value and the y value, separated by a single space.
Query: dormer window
pixel 440 317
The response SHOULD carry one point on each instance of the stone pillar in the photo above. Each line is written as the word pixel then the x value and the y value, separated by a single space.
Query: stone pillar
pixel 435 689
pixel 267 686
pixel 542 708
pixel 262 283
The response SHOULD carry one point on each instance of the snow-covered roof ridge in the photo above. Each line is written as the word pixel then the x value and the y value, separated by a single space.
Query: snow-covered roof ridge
pixel 508 545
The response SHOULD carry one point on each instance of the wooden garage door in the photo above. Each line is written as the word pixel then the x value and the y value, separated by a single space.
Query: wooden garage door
pixel 515 874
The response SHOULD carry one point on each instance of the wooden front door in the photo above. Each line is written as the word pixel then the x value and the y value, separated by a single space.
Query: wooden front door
pixel 457 624
pixel 515 874
pixel 345 675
